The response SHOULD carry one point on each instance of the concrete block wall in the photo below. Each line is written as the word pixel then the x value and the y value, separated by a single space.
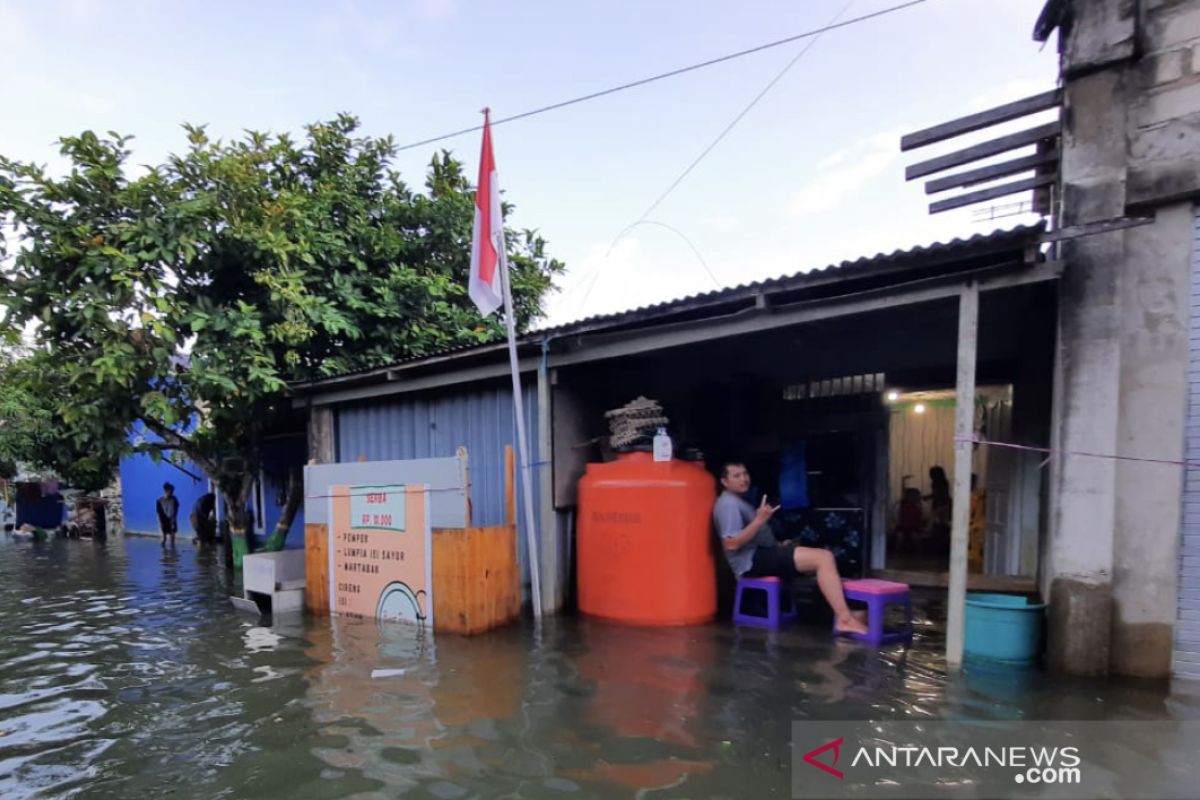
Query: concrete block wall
pixel 1164 131
pixel 1155 312
pixel 1131 145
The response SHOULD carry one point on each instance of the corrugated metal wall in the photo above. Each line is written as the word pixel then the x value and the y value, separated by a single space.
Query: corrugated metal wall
pixel 434 425
pixel 1187 628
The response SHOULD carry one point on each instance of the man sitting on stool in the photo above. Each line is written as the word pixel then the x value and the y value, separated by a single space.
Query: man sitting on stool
pixel 753 552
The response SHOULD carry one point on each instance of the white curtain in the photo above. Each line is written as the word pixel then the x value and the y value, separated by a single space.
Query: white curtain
pixel 921 441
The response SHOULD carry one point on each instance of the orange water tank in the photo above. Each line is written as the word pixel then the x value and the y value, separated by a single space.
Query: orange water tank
pixel 643 541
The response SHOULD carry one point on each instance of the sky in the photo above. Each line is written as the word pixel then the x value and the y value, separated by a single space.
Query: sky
pixel 812 175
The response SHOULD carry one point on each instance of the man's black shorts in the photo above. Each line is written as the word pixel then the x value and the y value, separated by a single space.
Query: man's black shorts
pixel 776 562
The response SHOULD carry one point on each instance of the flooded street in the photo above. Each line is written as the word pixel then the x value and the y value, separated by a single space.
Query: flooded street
pixel 124 672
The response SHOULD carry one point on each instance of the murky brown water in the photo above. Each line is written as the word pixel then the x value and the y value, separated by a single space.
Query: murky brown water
pixel 125 673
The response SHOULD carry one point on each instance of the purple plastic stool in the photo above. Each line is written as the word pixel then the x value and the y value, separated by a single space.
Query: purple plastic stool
pixel 878 595
pixel 776 597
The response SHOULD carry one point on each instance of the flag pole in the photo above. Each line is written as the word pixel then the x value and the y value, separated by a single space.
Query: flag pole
pixel 535 583
pixel 510 321
pixel 489 261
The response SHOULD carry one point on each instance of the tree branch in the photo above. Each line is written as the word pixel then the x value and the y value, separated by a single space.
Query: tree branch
pixel 176 441
pixel 149 448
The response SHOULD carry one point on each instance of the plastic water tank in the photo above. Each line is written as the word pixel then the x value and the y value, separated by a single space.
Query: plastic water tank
pixel 1003 627
pixel 643 541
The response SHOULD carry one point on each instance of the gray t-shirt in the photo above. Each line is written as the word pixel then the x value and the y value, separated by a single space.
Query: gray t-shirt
pixel 731 514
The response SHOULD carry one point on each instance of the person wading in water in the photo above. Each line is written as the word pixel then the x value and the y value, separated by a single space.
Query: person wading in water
pixel 167 508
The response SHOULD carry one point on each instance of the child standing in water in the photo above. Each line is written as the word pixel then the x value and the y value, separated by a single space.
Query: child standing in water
pixel 167 508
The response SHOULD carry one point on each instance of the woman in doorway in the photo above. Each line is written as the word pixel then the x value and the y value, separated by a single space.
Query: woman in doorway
pixel 940 506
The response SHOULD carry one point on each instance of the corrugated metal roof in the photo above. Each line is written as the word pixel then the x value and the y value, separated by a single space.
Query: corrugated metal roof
pixel 1016 237
pixel 1013 240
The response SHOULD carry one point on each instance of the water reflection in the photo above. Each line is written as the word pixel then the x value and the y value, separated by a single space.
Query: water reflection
pixel 125 673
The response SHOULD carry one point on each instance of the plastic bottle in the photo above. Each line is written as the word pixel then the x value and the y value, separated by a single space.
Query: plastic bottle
pixel 662 445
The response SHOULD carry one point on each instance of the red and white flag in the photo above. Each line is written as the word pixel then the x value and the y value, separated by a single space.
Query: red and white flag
pixel 487 243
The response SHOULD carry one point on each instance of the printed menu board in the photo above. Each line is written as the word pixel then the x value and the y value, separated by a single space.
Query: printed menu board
pixel 379 553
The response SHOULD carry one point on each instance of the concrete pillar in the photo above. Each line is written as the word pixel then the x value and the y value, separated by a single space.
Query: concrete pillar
pixel 964 431
pixel 1080 555
pixel 1079 558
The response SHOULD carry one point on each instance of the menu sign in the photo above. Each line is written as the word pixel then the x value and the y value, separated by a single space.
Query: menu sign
pixel 378 508
pixel 379 553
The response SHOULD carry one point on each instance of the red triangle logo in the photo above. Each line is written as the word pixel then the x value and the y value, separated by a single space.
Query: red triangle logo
pixel 811 757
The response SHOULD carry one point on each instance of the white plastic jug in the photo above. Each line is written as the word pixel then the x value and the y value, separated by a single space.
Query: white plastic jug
pixel 662 446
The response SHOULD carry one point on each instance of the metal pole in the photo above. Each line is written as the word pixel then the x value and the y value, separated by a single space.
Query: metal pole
pixel 535 583
pixel 964 430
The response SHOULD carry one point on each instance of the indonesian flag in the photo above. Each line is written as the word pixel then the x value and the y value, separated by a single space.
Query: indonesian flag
pixel 487 242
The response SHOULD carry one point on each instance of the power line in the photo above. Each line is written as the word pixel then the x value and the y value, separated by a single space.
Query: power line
pixel 688 242
pixel 664 75
pixel 593 272
pixel 588 279
pixel 720 136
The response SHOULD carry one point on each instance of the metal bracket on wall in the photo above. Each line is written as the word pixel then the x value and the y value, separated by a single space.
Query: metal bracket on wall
pixel 1093 228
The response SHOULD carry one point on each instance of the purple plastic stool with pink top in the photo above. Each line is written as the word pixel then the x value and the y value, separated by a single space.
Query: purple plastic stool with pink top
pixel 780 608
pixel 878 594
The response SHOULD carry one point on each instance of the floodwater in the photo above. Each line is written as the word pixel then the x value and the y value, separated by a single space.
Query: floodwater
pixel 124 672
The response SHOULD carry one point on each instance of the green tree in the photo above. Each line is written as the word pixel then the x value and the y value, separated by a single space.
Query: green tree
pixel 187 295
pixel 31 435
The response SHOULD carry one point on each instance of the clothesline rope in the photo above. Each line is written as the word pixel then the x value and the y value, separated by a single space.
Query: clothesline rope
pixel 1054 452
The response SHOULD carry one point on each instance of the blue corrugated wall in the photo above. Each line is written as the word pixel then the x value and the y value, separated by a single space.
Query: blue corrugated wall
pixel 434 424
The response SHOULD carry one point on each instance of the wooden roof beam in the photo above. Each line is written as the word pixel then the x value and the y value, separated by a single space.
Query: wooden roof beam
pixel 986 149
pixel 973 177
pixel 984 119
pixel 970 198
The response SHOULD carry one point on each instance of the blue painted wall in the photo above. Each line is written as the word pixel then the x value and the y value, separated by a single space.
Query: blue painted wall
pixel 47 512
pixel 141 485
pixel 278 455
pixel 142 480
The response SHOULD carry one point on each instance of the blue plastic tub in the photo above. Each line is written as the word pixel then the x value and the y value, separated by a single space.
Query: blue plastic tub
pixel 1003 627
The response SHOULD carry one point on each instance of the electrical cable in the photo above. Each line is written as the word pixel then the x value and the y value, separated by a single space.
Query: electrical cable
pixel 662 76
pixel 719 138
pixel 725 132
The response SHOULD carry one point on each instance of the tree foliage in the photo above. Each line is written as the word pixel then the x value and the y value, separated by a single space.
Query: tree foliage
pixel 188 294
pixel 31 436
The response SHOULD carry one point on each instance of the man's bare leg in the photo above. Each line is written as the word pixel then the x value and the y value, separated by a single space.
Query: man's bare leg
pixel 814 559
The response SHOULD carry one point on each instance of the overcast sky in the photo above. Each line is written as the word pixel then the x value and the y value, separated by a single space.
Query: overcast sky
pixel 812 175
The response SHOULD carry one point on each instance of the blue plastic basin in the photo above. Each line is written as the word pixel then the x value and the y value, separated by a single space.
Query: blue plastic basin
pixel 1003 627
